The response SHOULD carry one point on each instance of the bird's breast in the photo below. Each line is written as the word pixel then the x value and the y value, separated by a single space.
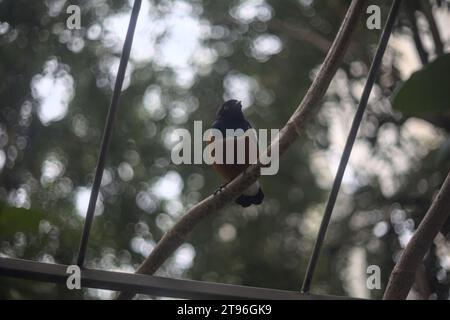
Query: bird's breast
pixel 232 155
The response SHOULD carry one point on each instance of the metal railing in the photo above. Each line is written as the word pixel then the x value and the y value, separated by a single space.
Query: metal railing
pixel 146 284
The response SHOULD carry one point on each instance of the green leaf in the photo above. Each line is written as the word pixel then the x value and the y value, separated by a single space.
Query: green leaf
pixel 427 91
pixel 13 220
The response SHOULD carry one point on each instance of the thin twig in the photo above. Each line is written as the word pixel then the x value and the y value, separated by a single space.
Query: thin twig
pixel 373 72
pixel 411 13
pixel 402 277
pixel 107 133
pixel 421 282
pixel 428 11
pixel 310 103
pixel 307 35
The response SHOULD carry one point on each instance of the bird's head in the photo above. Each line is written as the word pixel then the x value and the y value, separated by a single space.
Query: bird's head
pixel 230 109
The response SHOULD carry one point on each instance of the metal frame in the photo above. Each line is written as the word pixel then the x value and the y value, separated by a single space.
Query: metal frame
pixel 150 285
pixel 373 72
pixel 107 132
pixel 159 286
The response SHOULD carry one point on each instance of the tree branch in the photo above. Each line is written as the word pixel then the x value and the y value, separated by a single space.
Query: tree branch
pixel 427 10
pixel 178 234
pixel 411 13
pixel 402 277
pixel 301 33
pixel 421 282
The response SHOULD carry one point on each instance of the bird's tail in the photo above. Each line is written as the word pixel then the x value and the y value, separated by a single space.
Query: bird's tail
pixel 253 195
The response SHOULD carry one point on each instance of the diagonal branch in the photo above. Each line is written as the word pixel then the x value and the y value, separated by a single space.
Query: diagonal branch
pixel 402 277
pixel 289 133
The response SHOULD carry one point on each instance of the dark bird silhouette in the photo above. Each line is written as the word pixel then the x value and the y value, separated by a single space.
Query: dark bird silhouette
pixel 230 116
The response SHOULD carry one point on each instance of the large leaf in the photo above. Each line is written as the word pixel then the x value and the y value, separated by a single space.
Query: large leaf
pixel 427 91
pixel 13 220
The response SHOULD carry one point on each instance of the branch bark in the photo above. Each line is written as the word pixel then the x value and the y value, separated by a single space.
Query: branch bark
pixel 288 134
pixel 402 277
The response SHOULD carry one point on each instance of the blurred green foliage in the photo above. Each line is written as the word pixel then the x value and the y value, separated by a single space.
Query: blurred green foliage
pixel 188 56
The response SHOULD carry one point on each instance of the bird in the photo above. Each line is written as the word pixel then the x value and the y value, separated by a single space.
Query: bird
pixel 230 116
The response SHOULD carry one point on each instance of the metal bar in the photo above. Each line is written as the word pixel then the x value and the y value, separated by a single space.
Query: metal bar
pixel 349 144
pixel 150 285
pixel 108 132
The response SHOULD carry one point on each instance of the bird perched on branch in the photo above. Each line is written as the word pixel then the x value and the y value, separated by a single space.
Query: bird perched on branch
pixel 230 116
